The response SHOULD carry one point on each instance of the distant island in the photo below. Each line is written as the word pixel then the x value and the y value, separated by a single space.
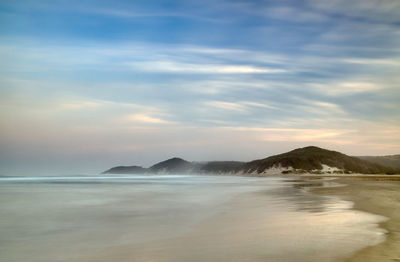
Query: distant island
pixel 311 159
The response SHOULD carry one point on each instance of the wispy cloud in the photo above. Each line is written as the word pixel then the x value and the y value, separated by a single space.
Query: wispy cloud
pixel 296 134
pixel 217 77
pixel 239 106
pixel 255 104
pixel 316 107
pixel 79 105
pixel 132 14
pixel 289 13
pixel 371 10
pixel 227 106
pixel 143 118
pixel 371 61
pixel 143 57
pixel 347 88
pixel 190 68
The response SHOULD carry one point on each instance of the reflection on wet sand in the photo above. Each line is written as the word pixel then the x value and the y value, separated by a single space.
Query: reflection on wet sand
pixel 296 194
pixel 193 218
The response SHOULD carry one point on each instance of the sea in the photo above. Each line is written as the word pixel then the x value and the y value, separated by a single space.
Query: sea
pixel 178 218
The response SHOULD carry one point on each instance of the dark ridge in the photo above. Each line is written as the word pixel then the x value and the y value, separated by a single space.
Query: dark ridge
pixel 307 159
pixel 126 170
pixel 311 158
pixel 392 161
pixel 222 167
pixel 173 165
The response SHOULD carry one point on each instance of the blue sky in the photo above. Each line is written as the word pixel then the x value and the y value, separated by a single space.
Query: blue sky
pixel 85 85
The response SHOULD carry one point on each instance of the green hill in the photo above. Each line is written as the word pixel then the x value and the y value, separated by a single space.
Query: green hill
pixel 392 161
pixel 173 165
pixel 126 170
pixel 311 159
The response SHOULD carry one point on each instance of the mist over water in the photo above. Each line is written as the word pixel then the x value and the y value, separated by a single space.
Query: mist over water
pixel 177 218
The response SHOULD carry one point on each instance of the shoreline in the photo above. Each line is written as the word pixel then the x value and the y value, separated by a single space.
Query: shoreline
pixel 245 220
pixel 378 195
pixel 245 234
pixel 308 175
pixel 361 176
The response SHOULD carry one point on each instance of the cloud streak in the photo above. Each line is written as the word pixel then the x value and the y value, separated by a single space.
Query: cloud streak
pixel 217 79
pixel 188 68
pixel 144 118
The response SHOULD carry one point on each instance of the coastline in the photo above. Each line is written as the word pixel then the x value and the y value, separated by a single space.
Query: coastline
pixel 378 195
pixel 244 236
pixel 241 226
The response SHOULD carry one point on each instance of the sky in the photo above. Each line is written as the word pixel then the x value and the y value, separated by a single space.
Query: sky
pixel 86 85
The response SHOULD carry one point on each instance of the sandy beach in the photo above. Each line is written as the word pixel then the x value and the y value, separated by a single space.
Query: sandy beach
pixel 242 229
pixel 378 195
pixel 200 218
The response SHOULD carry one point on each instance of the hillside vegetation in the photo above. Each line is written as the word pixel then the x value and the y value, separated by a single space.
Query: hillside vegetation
pixel 312 158
pixel 309 159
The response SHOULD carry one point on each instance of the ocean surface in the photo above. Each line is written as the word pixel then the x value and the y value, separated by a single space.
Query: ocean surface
pixel 178 218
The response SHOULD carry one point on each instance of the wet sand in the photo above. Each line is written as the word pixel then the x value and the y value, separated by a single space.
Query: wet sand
pixel 313 228
pixel 199 218
pixel 377 195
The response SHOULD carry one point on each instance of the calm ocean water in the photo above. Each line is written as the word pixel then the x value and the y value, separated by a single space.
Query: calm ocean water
pixel 177 218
